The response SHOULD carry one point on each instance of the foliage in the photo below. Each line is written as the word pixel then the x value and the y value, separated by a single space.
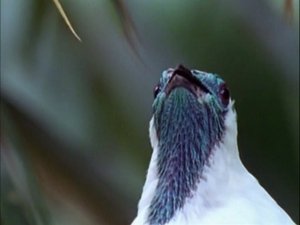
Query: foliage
pixel 74 115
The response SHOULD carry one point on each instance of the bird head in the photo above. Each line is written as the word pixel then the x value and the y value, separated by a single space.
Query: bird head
pixel 189 112
pixel 191 92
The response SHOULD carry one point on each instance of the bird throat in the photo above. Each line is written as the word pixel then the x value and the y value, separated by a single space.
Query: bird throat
pixel 187 131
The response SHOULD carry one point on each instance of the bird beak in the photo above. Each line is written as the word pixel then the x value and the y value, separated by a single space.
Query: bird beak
pixel 183 77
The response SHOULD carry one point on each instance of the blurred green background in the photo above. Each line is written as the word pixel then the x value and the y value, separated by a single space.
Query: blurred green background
pixel 74 116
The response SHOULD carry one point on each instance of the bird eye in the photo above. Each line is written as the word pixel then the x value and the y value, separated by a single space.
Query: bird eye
pixel 156 90
pixel 224 94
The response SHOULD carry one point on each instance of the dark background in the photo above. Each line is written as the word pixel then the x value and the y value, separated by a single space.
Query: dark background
pixel 74 115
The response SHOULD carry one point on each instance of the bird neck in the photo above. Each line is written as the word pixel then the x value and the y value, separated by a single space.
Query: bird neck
pixel 185 180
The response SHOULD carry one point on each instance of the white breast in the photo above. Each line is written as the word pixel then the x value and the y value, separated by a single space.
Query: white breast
pixel 226 194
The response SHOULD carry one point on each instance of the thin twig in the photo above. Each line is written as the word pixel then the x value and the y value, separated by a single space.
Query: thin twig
pixel 67 21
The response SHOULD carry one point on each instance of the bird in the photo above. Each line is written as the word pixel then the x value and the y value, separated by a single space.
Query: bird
pixel 195 175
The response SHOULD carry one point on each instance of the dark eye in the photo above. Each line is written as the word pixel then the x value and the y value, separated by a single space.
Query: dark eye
pixel 156 90
pixel 224 94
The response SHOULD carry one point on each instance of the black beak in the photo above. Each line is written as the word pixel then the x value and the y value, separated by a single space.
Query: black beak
pixel 183 77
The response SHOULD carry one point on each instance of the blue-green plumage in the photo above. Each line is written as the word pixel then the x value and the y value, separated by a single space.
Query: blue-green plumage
pixel 195 175
pixel 189 121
